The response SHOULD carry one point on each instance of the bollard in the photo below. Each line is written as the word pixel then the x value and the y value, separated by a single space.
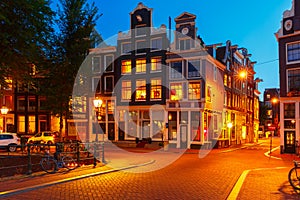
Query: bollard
pixel 29 159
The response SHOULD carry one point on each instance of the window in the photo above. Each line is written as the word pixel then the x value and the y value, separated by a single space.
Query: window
pixel 208 98
pixel 176 92
pixel 96 84
pixel 109 84
pixel 141 46
pixel 140 65
pixel 156 44
pixel 176 70
pixel 194 68
pixel 194 91
pixel 293 80
pixel 126 66
pixel 156 64
pixel 141 31
pixel 185 44
pixel 126 90
pixel 195 126
pixel 140 93
pixel 109 63
pixel 293 52
pixel 215 73
pixel 96 64
pixel 157 123
pixel 126 48
pixel 32 103
pixel 156 89
pixel 225 79
pixel 289 110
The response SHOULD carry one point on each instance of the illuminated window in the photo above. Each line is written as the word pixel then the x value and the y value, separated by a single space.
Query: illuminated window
pixel 126 90
pixel 140 93
pixel 126 66
pixel 96 64
pixel 156 89
pixel 156 64
pixel 176 92
pixel 140 65
pixel 194 90
pixel 194 68
pixel 225 79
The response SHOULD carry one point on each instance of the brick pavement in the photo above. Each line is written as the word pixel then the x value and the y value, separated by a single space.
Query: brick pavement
pixel 269 183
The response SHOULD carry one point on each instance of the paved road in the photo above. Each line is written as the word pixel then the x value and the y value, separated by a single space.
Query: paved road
pixel 214 176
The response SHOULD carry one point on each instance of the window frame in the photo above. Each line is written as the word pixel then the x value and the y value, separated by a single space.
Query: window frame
pixel 297 50
pixel 108 64
pixel 126 66
pixel 93 64
pixel 105 84
pixel 140 89
pixel 189 93
pixel 141 66
pixel 172 75
pixel 155 88
pixel 126 90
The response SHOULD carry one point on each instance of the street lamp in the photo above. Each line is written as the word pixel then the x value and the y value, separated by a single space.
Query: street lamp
pixel 4 111
pixel 98 105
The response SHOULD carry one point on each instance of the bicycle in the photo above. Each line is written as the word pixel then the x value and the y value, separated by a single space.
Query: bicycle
pixel 294 175
pixel 51 164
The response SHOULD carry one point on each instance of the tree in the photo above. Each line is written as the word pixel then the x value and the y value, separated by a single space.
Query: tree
pixel 26 28
pixel 76 20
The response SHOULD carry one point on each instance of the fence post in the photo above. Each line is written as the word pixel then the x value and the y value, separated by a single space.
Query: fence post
pixel 29 159
pixel 78 151
pixel 95 160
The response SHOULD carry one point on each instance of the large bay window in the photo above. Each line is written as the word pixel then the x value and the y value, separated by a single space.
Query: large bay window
pixel 176 70
pixel 194 68
pixel 140 93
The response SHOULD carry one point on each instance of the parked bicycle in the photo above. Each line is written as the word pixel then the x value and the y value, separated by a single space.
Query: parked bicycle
pixel 294 175
pixel 51 164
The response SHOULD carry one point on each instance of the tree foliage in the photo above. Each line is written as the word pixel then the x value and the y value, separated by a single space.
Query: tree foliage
pixel 26 28
pixel 76 20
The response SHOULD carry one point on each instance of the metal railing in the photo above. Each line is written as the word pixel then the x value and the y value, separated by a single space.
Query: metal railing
pixel 27 160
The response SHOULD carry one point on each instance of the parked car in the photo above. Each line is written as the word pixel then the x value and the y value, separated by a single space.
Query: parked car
pixel 9 141
pixel 46 137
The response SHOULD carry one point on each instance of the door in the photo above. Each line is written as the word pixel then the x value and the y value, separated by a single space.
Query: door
pixel 289 142
pixel 146 129
pixel 183 136
pixel 111 131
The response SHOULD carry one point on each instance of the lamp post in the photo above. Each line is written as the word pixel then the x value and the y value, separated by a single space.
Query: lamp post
pixel 4 111
pixel 98 104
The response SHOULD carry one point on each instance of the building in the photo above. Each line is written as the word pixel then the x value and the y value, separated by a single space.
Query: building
pixel 185 93
pixel 288 37
pixel 271 101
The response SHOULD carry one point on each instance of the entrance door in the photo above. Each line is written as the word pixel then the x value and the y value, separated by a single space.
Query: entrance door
pixel 183 136
pixel 289 142
pixel 146 129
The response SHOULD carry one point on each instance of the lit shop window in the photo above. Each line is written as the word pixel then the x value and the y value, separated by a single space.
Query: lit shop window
pixel 126 66
pixel 156 64
pixel 156 89
pixel 140 90
pixel 140 65
pixel 194 91
pixel 176 92
pixel 126 90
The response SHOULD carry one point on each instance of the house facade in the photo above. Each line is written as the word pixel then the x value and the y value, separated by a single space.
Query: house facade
pixel 288 37
pixel 182 92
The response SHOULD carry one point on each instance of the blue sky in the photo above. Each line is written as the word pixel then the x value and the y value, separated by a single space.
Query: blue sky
pixel 249 24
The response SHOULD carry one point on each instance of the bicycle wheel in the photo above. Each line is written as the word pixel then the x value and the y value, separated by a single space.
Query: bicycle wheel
pixel 49 165
pixel 69 162
pixel 294 178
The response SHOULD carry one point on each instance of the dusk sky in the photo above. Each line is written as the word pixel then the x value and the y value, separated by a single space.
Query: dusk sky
pixel 249 24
